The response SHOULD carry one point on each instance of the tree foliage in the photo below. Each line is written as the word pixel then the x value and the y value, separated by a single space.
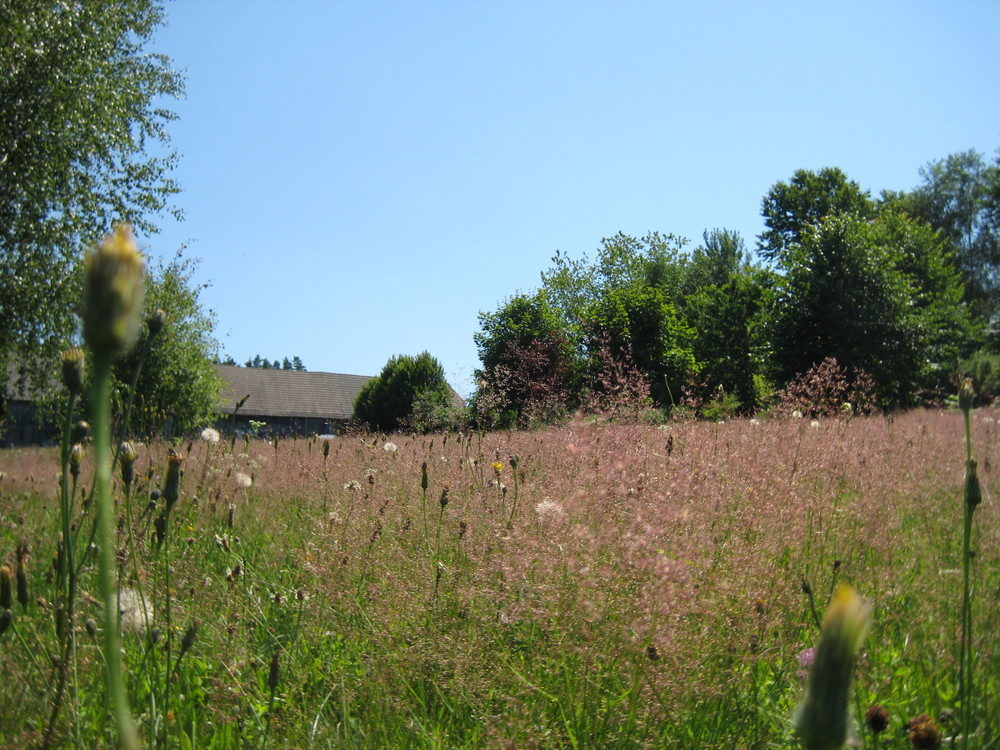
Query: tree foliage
pixel 791 208
pixel 178 389
pixel 81 146
pixel 387 402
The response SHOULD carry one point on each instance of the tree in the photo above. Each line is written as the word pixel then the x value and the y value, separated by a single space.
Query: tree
pixel 528 363
pixel 639 323
pixel 960 197
pixel 82 101
pixel 387 401
pixel 789 209
pixel 724 298
pixel 178 389
pixel 876 295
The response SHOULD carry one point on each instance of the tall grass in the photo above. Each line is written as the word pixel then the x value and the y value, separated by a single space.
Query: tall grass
pixel 620 593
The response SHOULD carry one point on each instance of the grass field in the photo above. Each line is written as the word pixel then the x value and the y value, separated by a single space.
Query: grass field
pixel 591 586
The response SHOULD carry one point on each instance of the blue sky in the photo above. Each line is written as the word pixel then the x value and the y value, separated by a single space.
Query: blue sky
pixel 361 179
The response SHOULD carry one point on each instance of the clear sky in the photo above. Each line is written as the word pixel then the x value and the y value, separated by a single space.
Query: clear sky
pixel 361 179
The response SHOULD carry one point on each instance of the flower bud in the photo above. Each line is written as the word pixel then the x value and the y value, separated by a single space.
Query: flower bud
pixel 72 369
pixel 126 460
pixel 75 459
pixel 6 587
pixel 155 322
pixel 113 294
pixel 821 718
pixel 965 395
pixel 80 431
pixel 171 486
pixel 444 497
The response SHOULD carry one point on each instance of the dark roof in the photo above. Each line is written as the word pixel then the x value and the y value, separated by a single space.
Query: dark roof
pixel 289 393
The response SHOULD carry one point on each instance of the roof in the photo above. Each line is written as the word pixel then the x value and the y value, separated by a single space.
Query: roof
pixel 289 393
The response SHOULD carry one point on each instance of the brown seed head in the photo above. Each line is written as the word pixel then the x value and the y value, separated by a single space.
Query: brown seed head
pixel 877 719
pixel 6 587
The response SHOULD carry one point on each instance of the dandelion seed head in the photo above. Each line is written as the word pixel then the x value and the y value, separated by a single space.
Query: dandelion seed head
pixel 210 435
pixel 243 480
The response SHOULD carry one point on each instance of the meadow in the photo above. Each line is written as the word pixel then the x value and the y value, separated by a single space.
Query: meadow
pixel 595 585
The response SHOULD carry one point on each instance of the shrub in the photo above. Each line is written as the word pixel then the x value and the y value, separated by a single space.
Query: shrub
pixel 824 389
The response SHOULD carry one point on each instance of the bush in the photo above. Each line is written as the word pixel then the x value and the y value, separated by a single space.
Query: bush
pixel 386 403
pixel 984 369
pixel 824 389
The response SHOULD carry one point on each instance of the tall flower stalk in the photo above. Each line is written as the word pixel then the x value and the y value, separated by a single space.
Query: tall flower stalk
pixel 973 496
pixel 111 318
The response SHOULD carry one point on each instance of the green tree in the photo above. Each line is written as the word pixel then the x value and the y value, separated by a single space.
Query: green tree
pixel 178 388
pixel 725 296
pixel 639 324
pixel 386 402
pixel 960 197
pixel 82 132
pixel 790 208
pixel 528 363
pixel 876 295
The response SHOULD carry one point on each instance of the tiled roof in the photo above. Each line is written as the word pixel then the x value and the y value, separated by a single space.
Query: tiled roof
pixel 289 393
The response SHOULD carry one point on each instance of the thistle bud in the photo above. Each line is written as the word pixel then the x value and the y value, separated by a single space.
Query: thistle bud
pixel 423 476
pixel 80 432
pixel 6 587
pixel 973 490
pixel 171 486
pixel 274 677
pixel 965 395
pixel 113 294
pixel 444 497
pixel 72 369
pixel 22 577
pixel 155 322
pixel 190 634
pixel 75 459
pixel 126 460
pixel 6 620
pixel 821 718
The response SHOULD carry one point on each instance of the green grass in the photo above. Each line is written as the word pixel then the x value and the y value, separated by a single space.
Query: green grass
pixel 639 598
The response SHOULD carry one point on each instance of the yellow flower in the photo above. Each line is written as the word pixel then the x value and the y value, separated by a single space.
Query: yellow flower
pixel 497 467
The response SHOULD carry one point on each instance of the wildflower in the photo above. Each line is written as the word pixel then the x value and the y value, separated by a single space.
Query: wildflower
pixel 275 674
pixel 243 480
pixel 444 497
pixel 136 613
pixel 155 322
pixel 210 435
pixel 965 394
pixel 352 486
pixel 171 486
pixel 497 467
pixel 80 431
pixel 423 476
pixel 796 414
pixel 75 459
pixel 72 369
pixel 847 409
pixel 814 424
pixel 821 719
pixel 754 422
pixel 126 460
pixel 390 448
pixel 113 294
pixel 924 733
pixel 877 719
pixel 548 507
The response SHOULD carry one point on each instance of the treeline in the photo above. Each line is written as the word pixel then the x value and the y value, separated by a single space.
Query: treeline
pixel 901 291
pixel 263 363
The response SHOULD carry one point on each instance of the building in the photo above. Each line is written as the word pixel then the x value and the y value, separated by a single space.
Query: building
pixel 288 402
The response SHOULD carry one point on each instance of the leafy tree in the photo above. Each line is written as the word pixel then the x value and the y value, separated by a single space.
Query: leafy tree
pixel 639 322
pixel 528 363
pixel 724 300
pixel 876 295
pixel 960 197
pixel 789 209
pixel 387 401
pixel 82 100
pixel 178 389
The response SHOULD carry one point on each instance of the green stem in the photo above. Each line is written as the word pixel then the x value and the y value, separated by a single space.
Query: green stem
pixel 101 406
